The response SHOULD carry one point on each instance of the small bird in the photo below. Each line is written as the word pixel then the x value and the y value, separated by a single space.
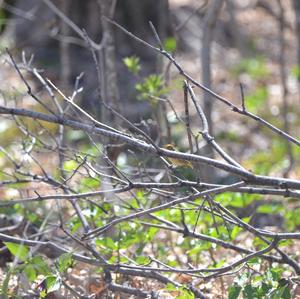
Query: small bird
pixel 177 162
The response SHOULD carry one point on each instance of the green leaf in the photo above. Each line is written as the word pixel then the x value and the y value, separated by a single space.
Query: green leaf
pixel 53 283
pixel 204 246
pixel 75 224
pixel 276 273
pixel 292 218
pixel 39 263
pixel 234 292
pixel 258 243
pixel 265 288
pixel 70 165
pixel 32 217
pixel 90 182
pixel 171 287
pixel 249 292
pixel 285 243
pixel 235 232
pixel 282 292
pixel 254 261
pixel 65 261
pixel 170 44
pixel 107 243
pixel 269 208
pixel 142 198
pixel 284 285
pixel 151 233
pixel 142 260
pixel 17 250
pixel 219 264
pixel 133 64
pixel 184 293
pixel 43 294
pixel 30 272
pixel 151 86
pixel 236 200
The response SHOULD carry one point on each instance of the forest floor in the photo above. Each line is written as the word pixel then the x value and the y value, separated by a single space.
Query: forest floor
pixel 258 69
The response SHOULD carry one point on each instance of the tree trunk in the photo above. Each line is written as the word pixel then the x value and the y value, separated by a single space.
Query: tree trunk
pixel 297 19
pixel 210 20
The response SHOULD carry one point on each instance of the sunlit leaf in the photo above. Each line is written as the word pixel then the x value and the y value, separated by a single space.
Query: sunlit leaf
pixel 269 209
pixel 18 250
pixel 107 242
pixel 89 182
pixel 235 232
pixel 70 165
pixel 142 260
pixel 53 283
pixel 133 64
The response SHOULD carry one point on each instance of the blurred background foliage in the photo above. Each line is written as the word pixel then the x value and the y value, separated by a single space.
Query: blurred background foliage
pixel 145 84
